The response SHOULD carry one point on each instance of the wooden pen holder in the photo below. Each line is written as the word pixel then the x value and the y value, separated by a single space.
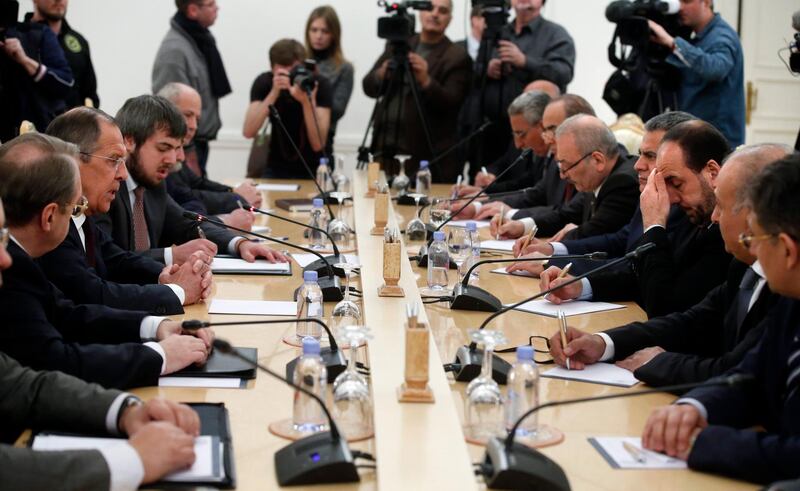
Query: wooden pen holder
pixel 381 213
pixel 373 174
pixel 416 388
pixel 391 271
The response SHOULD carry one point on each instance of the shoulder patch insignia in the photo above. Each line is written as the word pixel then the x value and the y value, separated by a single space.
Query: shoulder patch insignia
pixel 72 43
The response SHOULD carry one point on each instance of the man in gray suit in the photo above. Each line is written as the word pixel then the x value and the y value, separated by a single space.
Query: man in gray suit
pixel 160 432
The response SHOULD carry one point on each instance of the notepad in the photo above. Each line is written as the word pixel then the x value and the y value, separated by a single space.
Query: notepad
pixel 202 382
pixel 267 186
pixel 463 223
pixel 571 307
pixel 236 265
pixel 498 245
pixel 612 449
pixel 207 467
pixel 252 307
pixel 599 373
pixel 260 229
pixel 305 259
pixel 502 270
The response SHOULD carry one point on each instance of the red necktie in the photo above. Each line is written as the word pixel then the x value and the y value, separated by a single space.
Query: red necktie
pixel 141 237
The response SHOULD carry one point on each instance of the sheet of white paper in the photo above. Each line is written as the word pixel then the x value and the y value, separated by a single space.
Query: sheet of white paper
pixel 260 229
pixel 599 373
pixel 203 382
pixel 252 307
pixel 463 223
pixel 304 259
pixel 201 470
pixel 498 245
pixel 222 264
pixel 573 307
pixel 502 270
pixel 611 448
pixel 277 187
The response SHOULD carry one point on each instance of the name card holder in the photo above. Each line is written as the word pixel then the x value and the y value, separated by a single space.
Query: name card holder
pixel 391 271
pixel 416 388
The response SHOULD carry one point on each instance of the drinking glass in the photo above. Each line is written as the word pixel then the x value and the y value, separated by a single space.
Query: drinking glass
pixel 401 181
pixel 352 405
pixel 346 312
pixel 484 411
pixel 340 230
pixel 415 228
pixel 459 244
pixel 440 211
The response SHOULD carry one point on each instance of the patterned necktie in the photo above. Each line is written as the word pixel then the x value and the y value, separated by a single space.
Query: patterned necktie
pixel 88 239
pixel 793 380
pixel 141 237
pixel 744 295
pixel 569 191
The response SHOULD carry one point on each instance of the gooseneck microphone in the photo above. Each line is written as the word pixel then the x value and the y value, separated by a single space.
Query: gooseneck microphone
pixel 470 297
pixel 461 142
pixel 273 111
pixel 319 265
pixel 321 458
pixel 331 289
pixel 469 359
pixel 510 465
pixel 332 356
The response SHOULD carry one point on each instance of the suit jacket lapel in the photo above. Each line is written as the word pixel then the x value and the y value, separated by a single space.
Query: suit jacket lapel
pixel 124 196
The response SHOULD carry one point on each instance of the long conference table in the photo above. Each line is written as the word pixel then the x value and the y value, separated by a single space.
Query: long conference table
pixel 420 446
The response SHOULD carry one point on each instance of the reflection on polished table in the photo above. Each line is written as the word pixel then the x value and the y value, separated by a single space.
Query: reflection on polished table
pixel 420 446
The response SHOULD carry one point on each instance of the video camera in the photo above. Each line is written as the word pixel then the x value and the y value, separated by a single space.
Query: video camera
pixel 631 18
pixel 400 26
pixel 494 12
pixel 303 75
pixel 9 11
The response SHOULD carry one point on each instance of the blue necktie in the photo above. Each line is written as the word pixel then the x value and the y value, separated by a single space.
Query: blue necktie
pixel 743 297
pixel 793 380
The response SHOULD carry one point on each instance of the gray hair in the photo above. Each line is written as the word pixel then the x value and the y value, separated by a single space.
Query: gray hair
pixel 530 105
pixel 774 198
pixel 80 126
pixel 172 91
pixel 35 170
pixel 590 134
pixel 666 121
pixel 750 160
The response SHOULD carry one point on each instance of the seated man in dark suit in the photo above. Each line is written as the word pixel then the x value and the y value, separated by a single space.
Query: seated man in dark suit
pixel 161 433
pixel 712 427
pixel 712 336
pixel 142 217
pixel 41 189
pixel 187 185
pixel 686 264
pixel 88 266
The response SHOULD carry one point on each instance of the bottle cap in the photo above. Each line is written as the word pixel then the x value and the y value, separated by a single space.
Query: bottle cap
pixel 310 276
pixel 316 202
pixel 438 235
pixel 310 346
pixel 472 226
pixel 524 353
pixel 323 161
pixel 423 164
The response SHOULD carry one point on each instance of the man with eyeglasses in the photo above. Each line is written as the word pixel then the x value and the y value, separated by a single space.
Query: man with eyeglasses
pixel 88 266
pixel 751 430
pixel 41 189
pixel 189 54
pixel 159 433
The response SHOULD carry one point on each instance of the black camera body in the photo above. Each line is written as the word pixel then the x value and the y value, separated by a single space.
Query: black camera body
pixel 303 75
pixel 494 12
pixel 631 18
pixel 400 26
pixel 9 12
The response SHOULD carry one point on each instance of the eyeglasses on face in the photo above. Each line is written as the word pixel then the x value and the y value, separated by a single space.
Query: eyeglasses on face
pixel 79 208
pixel 565 167
pixel 747 239
pixel 4 237
pixel 116 163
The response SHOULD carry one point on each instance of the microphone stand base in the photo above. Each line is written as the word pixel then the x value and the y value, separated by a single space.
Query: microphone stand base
pixel 521 468
pixel 422 262
pixel 471 361
pixel 406 200
pixel 334 362
pixel 315 459
pixel 467 297
pixel 330 286
pixel 322 268
pixel 327 199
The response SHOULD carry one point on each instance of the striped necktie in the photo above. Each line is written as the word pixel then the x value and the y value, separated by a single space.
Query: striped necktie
pixel 140 232
pixel 793 363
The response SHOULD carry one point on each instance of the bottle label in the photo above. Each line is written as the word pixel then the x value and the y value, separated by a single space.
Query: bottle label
pixel 314 309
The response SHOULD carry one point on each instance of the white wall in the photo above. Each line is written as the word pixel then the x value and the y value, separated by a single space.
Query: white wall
pixel 124 36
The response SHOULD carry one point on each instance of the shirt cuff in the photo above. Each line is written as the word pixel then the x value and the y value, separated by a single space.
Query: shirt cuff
pixel 233 244
pixel 652 227
pixel 168 256
pixel 528 223
pixel 124 466
pixel 158 349
pixel 608 353
pixel 586 293
pixel 510 214
pixel 697 405
pixel 559 249
pixel 477 205
pixel 112 416
pixel 148 329
pixel 40 72
pixel 178 291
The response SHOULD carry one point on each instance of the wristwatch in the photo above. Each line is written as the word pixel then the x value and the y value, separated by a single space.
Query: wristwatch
pixel 129 401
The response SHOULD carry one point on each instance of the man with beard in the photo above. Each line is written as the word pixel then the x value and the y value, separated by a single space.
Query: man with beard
pixel 143 217
pixel 687 166
pixel 76 50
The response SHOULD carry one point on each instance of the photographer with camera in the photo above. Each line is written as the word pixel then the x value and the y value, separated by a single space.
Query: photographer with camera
pixel 711 66
pixel 303 102
pixel 440 72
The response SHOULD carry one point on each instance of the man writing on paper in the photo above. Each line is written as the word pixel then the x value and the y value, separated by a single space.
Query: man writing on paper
pixel 711 427
pixel 153 129
pixel 713 335
pixel 160 432
pixel 88 266
pixel 41 190
pixel 684 267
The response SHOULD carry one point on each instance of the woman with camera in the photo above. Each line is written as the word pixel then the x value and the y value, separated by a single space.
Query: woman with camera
pixel 323 44
pixel 303 102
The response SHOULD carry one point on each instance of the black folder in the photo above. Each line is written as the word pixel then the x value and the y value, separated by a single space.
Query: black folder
pixel 221 365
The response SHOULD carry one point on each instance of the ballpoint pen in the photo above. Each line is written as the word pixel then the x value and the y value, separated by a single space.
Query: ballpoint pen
pixel 564 272
pixel 483 169
pixel 200 233
pixel 562 325
pixel 457 187
pixel 527 240
pixel 637 453
pixel 500 222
